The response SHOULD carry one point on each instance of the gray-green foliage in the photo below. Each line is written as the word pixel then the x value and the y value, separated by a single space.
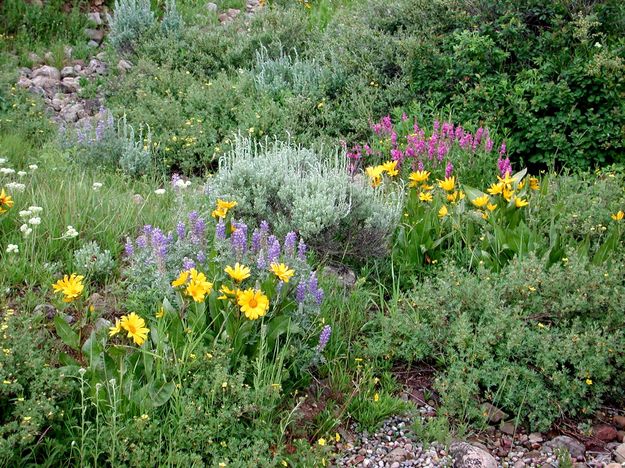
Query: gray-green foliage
pixel 297 189
pixel 131 19
pixel 172 22
pixel 286 73
pixel 93 262
pixel 136 156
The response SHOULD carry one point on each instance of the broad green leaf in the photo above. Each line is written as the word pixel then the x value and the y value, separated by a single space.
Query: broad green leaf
pixel 161 393
pixel 66 333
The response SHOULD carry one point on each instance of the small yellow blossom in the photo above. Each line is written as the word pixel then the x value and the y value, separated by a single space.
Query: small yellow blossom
pixel 418 177
pixel 321 441
pixel 443 212
pixel 520 202
pixel 376 397
pixel 238 272
pixel 588 382
pixel 618 216
pixel 448 184
pixel 425 197
pixel 282 271
pixel 480 202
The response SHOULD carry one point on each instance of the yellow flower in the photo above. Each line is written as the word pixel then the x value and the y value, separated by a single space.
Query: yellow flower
pixel 115 329
pixel 491 207
pixel 375 174
pixel 507 194
pixel 181 280
pixel 443 212
pixel 448 184
pixel 588 382
pixel 521 184
pixel 70 286
pixel 337 437
pixel 496 189
pixel 481 202
pixel 484 214
pixel 198 290
pixel 534 185
pixel 225 205
pixel 238 273
pixel 376 397
pixel 5 201
pixel 226 291
pixel 418 177
pixel 135 326
pixel 507 179
pixel 390 168
pixel 618 216
pixel 321 441
pixel 254 304
pixel 425 197
pixel 282 271
pixel 219 213
pixel 160 313
pixel 520 202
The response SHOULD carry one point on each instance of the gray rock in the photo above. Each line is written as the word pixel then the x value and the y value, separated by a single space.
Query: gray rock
pixel 102 324
pixel 57 104
pixel 93 44
pixel 95 18
pixel 535 437
pixel 344 275
pixel 101 56
pixel 71 114
pixel 123 66
pixel 397 455
pixel 96 35
pixel 68 71
pixel 492 413
pixel 210 6
pixel 70 85
pixel 467 456
pixel 24 82
pixel 619 453
pixel 97 66
pixel 25 71
pixel 507 428
pixel 575 448
pixel 48 72
pixel 45 83
pixel 34 58
pixel 613 465
pixel 47 310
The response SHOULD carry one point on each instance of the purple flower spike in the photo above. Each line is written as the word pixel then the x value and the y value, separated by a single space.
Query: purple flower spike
pixel 239 238
pixel 256 240
pixel 181 230
pixel 449 169
pixel 142 242
pixel 129 249
pixel 201 257
pixel 301 250
pixel 324 337
pixel 261 263
pixel 300 292
pixel 187 263
pixel 289 244
pixel 314 289
pixel 273 251
pixel 220 230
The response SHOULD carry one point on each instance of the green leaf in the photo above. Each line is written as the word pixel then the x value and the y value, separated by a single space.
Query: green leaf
pixel 66 333
pixel 67 360
pixel 161 393
pixel 606 249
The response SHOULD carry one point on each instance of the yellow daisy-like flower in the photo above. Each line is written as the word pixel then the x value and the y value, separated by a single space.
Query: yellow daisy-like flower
pixel 448 184
pixel 520 202
pixel 182 279
pixel 491 207
pixel 618 216
pixel 375 174
pixel 481 202
pixel 225 205
pixel 321 441
pixel 390 168
pixel 226 292
pixel 160 313
pixel 199 286
pixel 425 197
pixel 254 304
pixel 219 213
pixel 238 273
pixel 507 179
pixel 70 286
pixel 135 326
pixel 376 397
pixel 443 212
pixel 496 189
pixel 418 177
pixel 507 194
pixel 588 381
pixel 534 185
pixel 283 272
pixel 114 330
pixel 5 201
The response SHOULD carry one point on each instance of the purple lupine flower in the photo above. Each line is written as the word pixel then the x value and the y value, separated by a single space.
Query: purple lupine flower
pixel 239 238
pixel 129 249
pixel 273 249
pixel 301 250
pixel 197 230
pixel 181 230
pixel 314 289
pixel 193 217
pixel 289 243
pixel 300 292
pixel 201 257
pixel 147 230
pixel 187 263
pixel 142 242
pixel 449 170
pixel 264 228
pixel 99 130
pixel 175 178
pixel 159 243
pixel 256 240
pixel 324 337
pixel 220 230
pixel 261 263
pixel 488 145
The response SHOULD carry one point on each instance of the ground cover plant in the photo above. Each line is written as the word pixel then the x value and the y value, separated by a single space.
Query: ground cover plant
pixel 272 217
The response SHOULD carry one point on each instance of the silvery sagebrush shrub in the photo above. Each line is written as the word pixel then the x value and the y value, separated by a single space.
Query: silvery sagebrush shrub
pixel 131 19
pixel 286 73
pixel 106 143
pixel 294 188
pixel 90 260
pixel 172 23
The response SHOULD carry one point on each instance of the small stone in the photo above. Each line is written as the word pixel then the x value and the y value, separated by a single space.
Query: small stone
pixel 619 421
pixel 398 454
pixel 123 66
pixel 72 113
pixel 492 413
pixel 467 456
pixel 96 35
pixel 68 71
pixel 507 428
pixel 212 7
pixel 395 465
pixel 24 82
pixel 45 83
pixel 619 453
pixel 102 324
pixel 70 85
pixel 604 432
pixel 93 44
pixel 535 437
pixel 223 18
pixel 97 66
pixel 47 310
pixel 620 436
pixel 614 465
pixel 575 448
pixel 47 71
pixel 56 104
pixel 137 199
pixel 95 18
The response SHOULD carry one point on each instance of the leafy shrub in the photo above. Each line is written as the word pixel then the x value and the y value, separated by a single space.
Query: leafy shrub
pixel 293 188
pixel 35 397
pixel 94 263
pixel 130 21
pixel 109 145
pixel 172 23
pixel 541 342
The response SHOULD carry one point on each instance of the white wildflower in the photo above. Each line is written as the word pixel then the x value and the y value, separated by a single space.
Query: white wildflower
pixel 3 160
pixel 22 173
pixel 36 221
pixel 71 232
pixel 160 191
pixel 16 187
pixel 33 167
pixel 25 213
pixel 25 230
pixel 96 186
pixel 12 248
pixel 7 170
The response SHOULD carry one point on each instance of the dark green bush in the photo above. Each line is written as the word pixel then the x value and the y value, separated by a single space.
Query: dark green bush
pixel 537 342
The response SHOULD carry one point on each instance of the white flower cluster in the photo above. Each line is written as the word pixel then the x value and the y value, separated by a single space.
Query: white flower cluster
pixel 32 219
